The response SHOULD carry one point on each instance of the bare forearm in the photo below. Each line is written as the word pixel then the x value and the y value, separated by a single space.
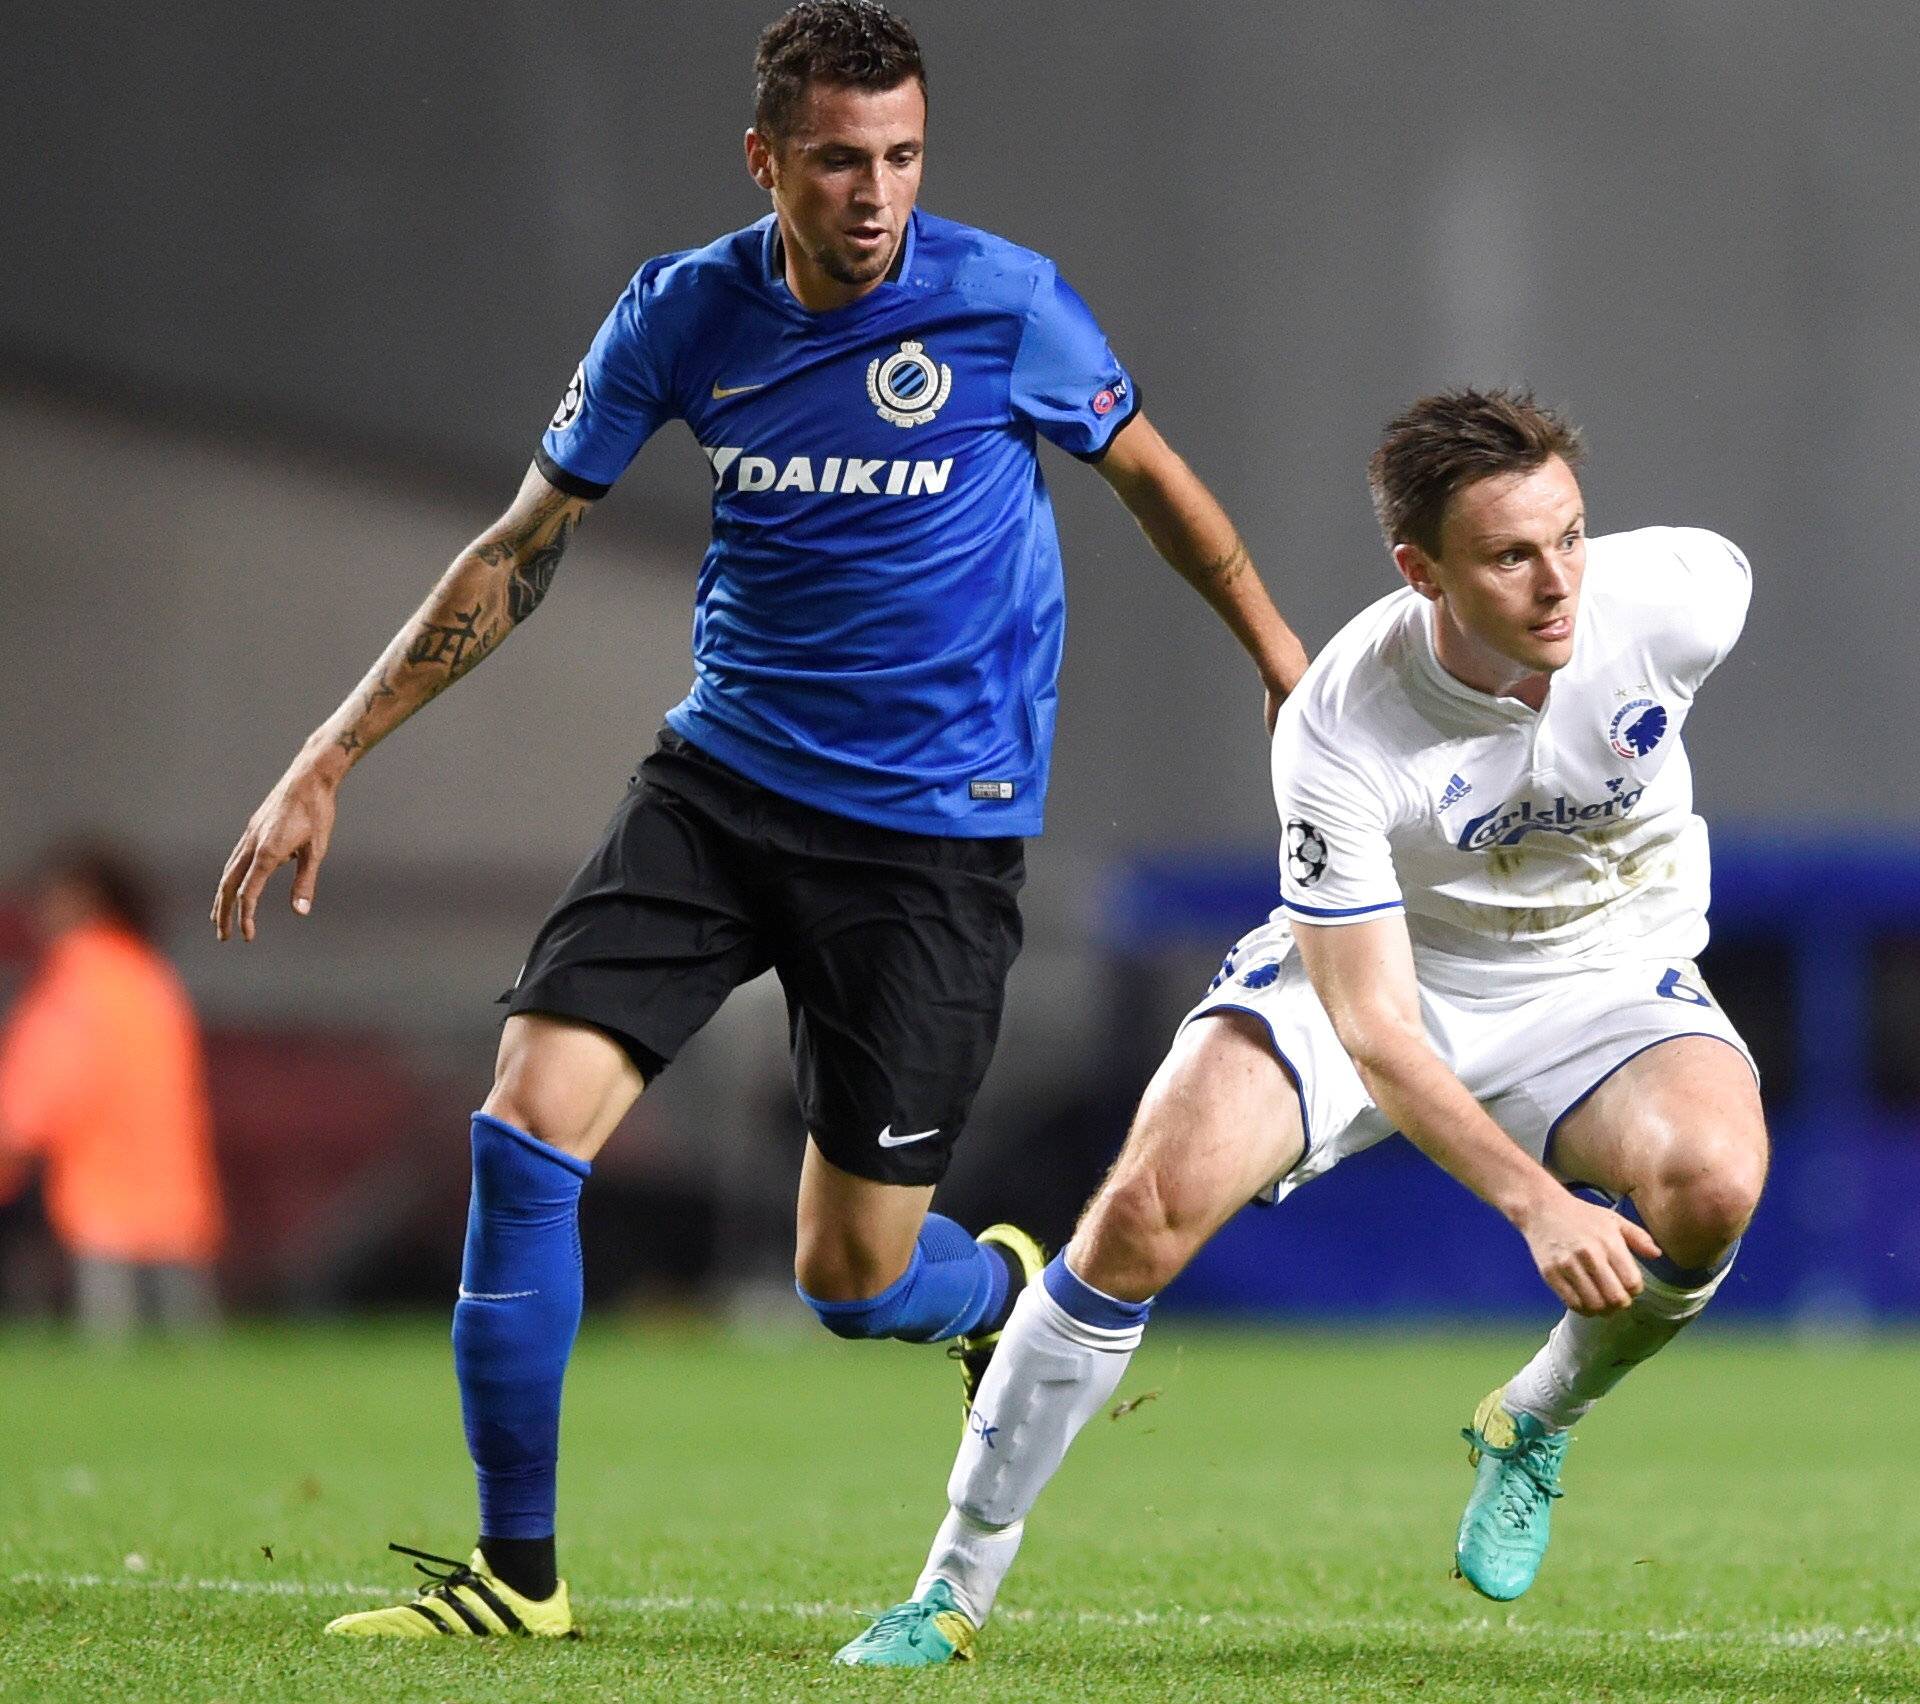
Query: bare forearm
pixel 460 622
pixel 1424 1100
pixel 492 586
pixel 1588 1256
pixel 1222 572
pixel 1364 975
pixel 1185 523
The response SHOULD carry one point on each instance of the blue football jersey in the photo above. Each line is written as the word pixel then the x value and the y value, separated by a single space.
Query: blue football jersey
pixel 878 620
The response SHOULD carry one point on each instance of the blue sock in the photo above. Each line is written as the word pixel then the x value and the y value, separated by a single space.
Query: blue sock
pixel 951 1285
pixel 515 1322
pixel 1088 1305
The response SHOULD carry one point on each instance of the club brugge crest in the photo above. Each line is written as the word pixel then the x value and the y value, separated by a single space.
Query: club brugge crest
pixel 908 387
pixel 1637 728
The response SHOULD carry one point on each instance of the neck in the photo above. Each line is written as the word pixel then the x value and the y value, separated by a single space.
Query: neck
pixel 1476 664
pixel 816 290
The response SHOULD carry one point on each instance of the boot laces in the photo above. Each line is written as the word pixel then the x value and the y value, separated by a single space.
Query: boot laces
pixel 908 1618
pixel 1524 1493
pixel 456 1572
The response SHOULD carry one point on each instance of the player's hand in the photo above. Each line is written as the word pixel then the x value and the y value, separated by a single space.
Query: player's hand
pixel 294 821
pixel 1587 1254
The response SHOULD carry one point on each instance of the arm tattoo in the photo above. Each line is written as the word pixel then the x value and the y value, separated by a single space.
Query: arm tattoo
pixel 350 740
pixel 528 582
pixel 377 691
pixel 452 647
pixel 452 644
pixel 1224 570
pixel 490 636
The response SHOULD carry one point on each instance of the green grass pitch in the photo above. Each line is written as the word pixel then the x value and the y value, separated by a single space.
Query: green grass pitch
pixel 1275 1522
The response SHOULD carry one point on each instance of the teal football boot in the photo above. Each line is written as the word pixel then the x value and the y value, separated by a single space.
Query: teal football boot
pixel 916 1634
pixel 1503 1534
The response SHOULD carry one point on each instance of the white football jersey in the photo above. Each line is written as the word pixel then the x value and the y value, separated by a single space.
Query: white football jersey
pixel 1509 836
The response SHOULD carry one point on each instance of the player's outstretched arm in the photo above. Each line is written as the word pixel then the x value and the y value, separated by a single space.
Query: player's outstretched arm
pixel 493 586
pixel 1185 523
pixel 1363 974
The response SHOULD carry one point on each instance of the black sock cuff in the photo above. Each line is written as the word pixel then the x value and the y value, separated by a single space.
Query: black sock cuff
pixel 526 1564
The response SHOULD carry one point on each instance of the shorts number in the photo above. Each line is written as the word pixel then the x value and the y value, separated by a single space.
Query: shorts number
pixel 1672 988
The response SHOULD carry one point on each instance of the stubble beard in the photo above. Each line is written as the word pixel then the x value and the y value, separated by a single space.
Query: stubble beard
pixel 842 269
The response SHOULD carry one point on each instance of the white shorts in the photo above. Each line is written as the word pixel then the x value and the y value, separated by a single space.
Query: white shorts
pixel 1530 1048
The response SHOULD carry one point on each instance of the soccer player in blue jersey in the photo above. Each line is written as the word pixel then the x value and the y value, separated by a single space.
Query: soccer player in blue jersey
pixel 844 794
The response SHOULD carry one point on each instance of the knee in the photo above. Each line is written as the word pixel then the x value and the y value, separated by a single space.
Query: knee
pixel 1131 1244
pixel 548 1106
pixel 566 1084
pixel 1709 1202
pixel 882 1312
pixel 842 1280
pixel 516 1100
pixel 509 1103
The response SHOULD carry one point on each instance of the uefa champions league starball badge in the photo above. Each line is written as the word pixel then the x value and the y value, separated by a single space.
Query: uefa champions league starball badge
pixel 1306 852
pixel 908 387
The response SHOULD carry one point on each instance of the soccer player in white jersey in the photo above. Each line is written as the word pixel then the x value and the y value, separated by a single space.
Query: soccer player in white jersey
pixel 1493 889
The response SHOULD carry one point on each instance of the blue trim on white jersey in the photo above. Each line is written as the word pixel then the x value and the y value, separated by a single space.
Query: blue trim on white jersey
pixel 1346 911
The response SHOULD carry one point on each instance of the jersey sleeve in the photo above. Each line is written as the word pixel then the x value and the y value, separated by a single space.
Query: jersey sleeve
pixel 1336 862
pixel 1066 380
pixel 616 402
pixel 1714 585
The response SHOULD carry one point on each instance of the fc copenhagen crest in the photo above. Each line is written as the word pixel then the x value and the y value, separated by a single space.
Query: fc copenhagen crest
pixel 908 387
pixel 1637 727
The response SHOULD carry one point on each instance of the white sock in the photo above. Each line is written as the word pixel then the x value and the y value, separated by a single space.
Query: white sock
pixel 1586 1357
pixel 973 1559
pixel 1050 1375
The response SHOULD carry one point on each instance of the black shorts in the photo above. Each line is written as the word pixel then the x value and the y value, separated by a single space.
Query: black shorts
pixel 893 950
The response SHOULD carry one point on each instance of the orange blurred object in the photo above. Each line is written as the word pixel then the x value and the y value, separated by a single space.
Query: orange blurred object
pixel 102 1080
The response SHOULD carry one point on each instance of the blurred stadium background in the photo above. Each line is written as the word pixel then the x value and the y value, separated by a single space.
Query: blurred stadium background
pixel 291 294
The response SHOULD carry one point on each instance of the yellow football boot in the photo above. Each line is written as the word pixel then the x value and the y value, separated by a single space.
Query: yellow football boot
pixel 1023 1253
pixel 465 1602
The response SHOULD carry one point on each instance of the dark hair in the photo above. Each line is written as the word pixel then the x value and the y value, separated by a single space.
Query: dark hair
pixel 856 44
pixel 1450 440
pixel 108 873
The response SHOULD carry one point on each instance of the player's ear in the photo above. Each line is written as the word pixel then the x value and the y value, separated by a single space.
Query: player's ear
pixel 759 159
pixel 1416 568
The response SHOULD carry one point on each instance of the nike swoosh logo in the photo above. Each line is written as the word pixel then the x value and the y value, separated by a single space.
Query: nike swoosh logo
pixel 722 392
pixel 889 1140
